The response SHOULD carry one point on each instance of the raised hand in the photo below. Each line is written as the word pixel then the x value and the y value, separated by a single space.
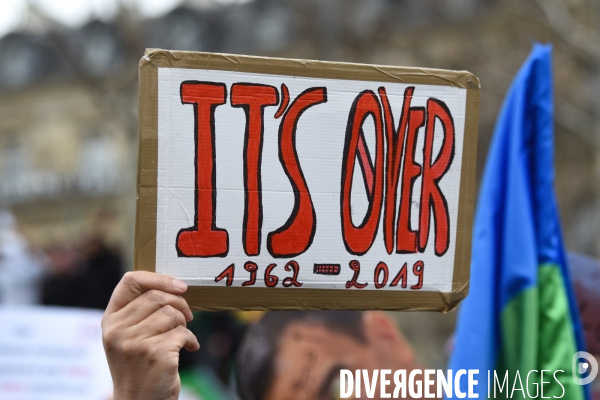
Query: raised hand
pixel 143 330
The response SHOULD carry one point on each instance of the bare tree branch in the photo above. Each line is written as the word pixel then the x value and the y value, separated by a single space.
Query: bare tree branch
pixel 575 34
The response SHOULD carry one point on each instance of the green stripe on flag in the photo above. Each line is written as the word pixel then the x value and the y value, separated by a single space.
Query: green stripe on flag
pixel 537 334
pixel 557 338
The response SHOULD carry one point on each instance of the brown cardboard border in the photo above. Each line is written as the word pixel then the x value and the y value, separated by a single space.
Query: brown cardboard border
pixel 237 298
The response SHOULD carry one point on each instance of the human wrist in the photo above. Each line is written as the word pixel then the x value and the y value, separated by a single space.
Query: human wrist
pixel 121 393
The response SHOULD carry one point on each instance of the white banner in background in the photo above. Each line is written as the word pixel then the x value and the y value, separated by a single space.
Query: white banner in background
pixel 52 353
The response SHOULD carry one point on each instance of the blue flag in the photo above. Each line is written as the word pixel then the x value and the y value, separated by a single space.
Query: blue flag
pixel 520 314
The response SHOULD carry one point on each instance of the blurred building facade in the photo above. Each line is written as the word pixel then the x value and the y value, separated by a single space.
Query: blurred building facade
pixel 68 97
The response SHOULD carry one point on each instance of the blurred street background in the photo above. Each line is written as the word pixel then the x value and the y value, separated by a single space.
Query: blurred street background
pixel 68 119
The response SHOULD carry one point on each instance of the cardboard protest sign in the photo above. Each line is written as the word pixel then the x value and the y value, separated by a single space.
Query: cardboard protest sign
pixel 291 184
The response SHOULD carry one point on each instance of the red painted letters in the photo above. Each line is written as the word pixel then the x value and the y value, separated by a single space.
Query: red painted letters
pixel 297 234
pixel 395 145
pixel 204 239
pixel 406 239
pixel 395 152
pixel 253 99
pixel 431 195
pixel 359 239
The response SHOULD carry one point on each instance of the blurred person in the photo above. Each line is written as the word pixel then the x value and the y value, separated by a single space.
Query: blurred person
pixel 60 286
pixel 291 355
pixel 82 280
pixel 222 333
pixel 585 272
pixel 299 354
pixel 103 271
pixel 21 270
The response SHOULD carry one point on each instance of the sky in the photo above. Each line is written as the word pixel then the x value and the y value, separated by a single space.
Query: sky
pixel 74 13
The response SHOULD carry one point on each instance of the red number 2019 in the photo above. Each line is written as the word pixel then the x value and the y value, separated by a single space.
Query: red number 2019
pixel 382 273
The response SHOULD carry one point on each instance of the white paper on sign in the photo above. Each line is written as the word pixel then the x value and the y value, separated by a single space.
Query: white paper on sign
pixel 319 139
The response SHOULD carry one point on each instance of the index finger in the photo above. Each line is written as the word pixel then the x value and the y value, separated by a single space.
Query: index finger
pixel 135 283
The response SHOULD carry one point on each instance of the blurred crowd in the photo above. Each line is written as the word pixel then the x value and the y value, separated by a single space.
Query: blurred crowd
pixel 84 275
pixel 80 275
